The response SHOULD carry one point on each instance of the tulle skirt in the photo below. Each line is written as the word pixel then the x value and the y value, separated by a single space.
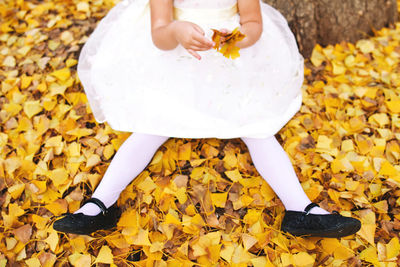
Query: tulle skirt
pixel 136 87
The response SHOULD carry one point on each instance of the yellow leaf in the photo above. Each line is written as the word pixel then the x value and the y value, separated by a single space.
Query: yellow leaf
pixel 142 238
pixel 40 185
pixel 62 74
pixel 33 262
pixel 83 7
pixel 351 185
pixel 370 255
pixel 105 256
pixel 185 151
pixel 261 262
pixel 267 192
pixel 156 246
pixel 11 243
pixel 49 103
pixel 368 226
pixel 281 241
pixel 228 42
pixel 381 206
pixel 379 119
pixel 343 253
pixel 57 89
pixel 129 219
pixel 31 108
pixel 252 216
pixel 219 199
pixel 366 46
pixel 324 143
pixel 303 259
pixel 78 244
pixel 14 210
pixel 347 145
pixel 52 240
pixel 54 141
pixel 118 241
pixel 329 245
pixel 16 190
pixel 234 175
pixel 240 255
pixel 387 169
pixel 147 185
pixel 67 37
pixel 394 106
pixel 59 176
pixel 80 132
pixel 171 219
pixel 12 108
pixel 393 248
pixel 338 68
pixel 57 207
pixel 80 260
pixel 248 241
pixel 181 195
pixel 71 62
pixel 108 151
pixel 317 57
pixel 9 61
pixel 39 221
pixel 227 251
pixel 93 160
pixel 26 81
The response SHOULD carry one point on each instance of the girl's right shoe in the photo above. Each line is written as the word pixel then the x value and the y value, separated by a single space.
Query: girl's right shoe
pixel 82 224
pixel 303 223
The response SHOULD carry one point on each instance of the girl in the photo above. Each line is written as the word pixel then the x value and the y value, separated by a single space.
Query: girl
pixel 154 72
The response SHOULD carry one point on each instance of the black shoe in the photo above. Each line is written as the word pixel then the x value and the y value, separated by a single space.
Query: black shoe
pixel 300 223
pixel 84 224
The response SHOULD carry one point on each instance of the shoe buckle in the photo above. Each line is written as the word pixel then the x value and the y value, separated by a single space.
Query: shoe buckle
pixel 99 203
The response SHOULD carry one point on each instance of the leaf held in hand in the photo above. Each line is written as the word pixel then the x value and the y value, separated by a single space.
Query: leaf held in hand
pixel 225 43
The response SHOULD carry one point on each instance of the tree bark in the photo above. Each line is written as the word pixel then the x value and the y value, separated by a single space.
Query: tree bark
pixel 327 22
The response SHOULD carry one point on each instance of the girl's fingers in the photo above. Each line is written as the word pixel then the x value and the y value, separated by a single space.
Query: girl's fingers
pixel 200 45
pixel 225 31
pixel 203 40
pixel 194 53
pixel 197 48
pixel 198 29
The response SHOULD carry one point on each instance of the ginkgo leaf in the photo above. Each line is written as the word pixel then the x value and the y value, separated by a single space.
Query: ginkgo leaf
pixel 225 43
pixel 105 256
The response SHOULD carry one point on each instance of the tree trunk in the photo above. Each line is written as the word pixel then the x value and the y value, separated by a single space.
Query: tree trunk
pixel 332 21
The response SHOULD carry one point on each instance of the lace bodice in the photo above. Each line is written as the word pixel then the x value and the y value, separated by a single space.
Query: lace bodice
pixel 204 3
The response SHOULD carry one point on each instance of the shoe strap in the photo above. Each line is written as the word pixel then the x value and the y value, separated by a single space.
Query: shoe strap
pixel 98 202
pixel 309 207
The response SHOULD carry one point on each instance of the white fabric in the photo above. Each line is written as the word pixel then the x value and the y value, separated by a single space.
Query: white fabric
pixel 203 3
pixel 136 87
pixel 273 164
pixel 130 160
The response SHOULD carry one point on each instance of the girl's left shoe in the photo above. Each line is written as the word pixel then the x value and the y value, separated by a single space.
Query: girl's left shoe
pixel 303 223
pixel 82 224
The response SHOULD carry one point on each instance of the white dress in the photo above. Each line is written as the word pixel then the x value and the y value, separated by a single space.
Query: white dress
pixel 137 87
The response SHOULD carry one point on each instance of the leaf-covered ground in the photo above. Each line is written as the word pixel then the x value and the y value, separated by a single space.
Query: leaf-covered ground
pixel 199 202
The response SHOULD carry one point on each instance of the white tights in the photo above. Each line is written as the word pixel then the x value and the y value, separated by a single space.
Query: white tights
pixel 269 158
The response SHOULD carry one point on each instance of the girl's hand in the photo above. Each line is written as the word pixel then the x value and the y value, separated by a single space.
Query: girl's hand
pixel 191 37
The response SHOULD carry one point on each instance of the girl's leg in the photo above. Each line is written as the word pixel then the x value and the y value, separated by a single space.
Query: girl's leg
pixel 273 164
pixel 130 160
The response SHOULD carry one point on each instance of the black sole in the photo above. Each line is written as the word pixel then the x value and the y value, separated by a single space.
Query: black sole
pixel 331 233
pixel 84 225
